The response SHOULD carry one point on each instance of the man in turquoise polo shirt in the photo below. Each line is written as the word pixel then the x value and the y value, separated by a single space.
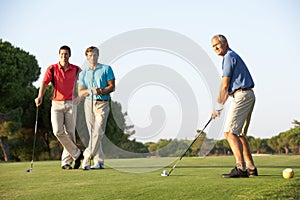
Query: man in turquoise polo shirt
pixel 95 83
pixel 236 84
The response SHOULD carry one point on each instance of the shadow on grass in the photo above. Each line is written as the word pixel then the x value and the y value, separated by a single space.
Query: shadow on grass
pixel 230 166
pixel 270 175
pixel 199 167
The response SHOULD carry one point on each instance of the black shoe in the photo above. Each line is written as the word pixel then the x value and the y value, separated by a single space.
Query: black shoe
pixel 78 160
pixel 236 173
pixel 252 172
pixel 66 166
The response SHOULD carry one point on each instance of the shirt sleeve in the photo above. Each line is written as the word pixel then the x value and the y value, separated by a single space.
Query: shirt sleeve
pixel 48 75
pixel 81 78
pixel 228 66
pixel 110 74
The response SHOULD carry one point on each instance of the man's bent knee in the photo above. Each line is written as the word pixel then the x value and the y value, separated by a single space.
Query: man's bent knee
pixel 59 133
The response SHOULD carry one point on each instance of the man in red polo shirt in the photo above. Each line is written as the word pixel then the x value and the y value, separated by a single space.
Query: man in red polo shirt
pixel 63 76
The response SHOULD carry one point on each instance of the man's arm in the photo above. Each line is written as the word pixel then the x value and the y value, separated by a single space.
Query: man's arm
pixel 108 89
pixel 223 91
pixel 82 91
pixel 39 99
pixel 222 97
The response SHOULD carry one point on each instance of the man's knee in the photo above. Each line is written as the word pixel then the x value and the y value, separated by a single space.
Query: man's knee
pixel 228 134
pixel 58 133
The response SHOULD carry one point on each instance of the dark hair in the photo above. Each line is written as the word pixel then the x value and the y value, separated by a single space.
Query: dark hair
pixel 90 49
pixel 65 48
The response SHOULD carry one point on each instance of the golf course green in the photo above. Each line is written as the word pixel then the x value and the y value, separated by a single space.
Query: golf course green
pixel 193 178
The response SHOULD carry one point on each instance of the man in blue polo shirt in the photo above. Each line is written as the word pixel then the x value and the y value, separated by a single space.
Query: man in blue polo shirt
pixel 236 84
pixel 95 83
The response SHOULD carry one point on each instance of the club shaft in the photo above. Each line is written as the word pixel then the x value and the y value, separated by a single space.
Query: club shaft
pixel 34 138
pixel 198 135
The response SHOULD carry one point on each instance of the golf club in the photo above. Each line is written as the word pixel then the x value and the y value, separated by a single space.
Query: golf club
pixel 92 124
pixel 34 140
pixel 165 173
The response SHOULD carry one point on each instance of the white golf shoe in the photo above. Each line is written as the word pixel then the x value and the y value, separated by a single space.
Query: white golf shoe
pixel 86 163
pixel 98 166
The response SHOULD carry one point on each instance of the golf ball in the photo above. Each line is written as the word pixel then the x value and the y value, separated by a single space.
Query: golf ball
pixel 288 173
pixel 164 173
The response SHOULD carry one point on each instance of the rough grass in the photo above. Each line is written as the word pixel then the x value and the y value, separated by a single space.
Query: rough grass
pixel 193 178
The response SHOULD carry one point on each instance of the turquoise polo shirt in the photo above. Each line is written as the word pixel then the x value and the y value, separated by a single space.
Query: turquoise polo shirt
pixel 97 78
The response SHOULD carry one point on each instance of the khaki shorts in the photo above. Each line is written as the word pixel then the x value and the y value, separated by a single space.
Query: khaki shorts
pixel 239 114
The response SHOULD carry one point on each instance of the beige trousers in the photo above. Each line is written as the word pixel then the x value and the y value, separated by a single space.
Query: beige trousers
pixel 96 115
pixel 240 111
pixel 63 119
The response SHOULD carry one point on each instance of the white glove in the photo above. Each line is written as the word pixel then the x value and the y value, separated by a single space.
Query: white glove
pixel 219 107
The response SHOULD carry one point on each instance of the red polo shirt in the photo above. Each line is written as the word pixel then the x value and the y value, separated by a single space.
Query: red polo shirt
pixel 64 81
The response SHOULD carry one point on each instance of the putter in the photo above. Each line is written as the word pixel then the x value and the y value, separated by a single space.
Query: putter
pixel 165 173
pixel 34 140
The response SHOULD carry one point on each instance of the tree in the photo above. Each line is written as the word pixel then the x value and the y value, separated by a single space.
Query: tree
pixel 18 70
pixel 255 144
pixel 264 146
pixel 273 143
pixel 222 146
pixel 296 123
pixel 9 124
pixel 293 138
pixel 116 129
pixel 196 147
pixel 119 133
pixel 152 148
pixel 284 141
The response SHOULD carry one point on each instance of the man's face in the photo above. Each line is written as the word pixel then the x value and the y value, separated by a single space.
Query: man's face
pixel 92 57
pixel 64 55
pixel 219 48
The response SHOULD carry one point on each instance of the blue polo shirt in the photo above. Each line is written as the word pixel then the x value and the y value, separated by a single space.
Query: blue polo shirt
pixel 235 68
pixel 98 78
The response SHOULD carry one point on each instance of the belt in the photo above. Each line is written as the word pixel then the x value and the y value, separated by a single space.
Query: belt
pixel 240 90
pixel 101 100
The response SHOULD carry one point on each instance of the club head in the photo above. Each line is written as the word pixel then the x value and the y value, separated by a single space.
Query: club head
pixel 29 170
pixel 164 173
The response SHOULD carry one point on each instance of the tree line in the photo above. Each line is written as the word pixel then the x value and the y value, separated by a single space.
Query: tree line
pixel 19 70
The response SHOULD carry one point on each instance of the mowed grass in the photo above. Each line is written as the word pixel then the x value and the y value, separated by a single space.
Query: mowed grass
pixel 193 178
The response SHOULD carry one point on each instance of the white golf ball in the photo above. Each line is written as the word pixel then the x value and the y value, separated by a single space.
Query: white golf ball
pixel 288 173
pixel 164 173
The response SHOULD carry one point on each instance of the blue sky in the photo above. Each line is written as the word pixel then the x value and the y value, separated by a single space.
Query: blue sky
pixel 264 33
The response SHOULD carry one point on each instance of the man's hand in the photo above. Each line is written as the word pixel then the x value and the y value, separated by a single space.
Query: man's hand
pixel 216 113
pixel 77 100
pixel 99 91
pixel 38 101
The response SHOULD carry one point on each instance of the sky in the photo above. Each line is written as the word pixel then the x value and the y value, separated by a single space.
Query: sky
pixel 264 33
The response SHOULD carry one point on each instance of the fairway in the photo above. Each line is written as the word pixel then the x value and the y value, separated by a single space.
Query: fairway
pixel 193 178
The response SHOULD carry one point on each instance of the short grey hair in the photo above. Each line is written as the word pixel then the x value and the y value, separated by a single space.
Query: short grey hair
pixel 222 38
